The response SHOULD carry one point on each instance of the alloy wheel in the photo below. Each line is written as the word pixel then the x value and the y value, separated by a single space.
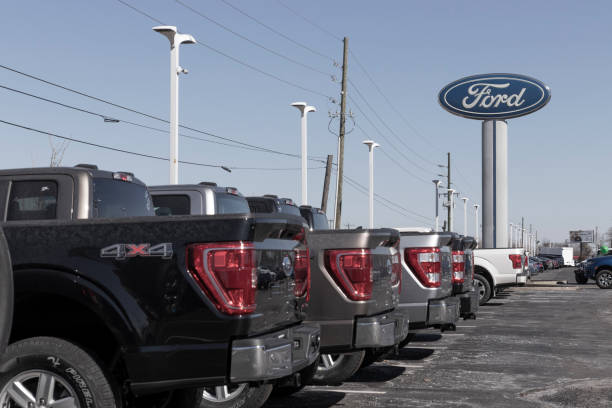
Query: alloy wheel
pixel 223 393
pixel 329 361
pixel 605 279
pixel 38 389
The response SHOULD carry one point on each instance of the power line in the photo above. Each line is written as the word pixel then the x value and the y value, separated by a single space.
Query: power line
pixel 385 137
pixel 362 67
pixel 149 156
pixel 236 60
pixel 255 43
pixel 157 118
pixel 360 189
pixel 387 200
pixel 286 37
pixel 387 126
pixel 312 23
pixel 383 151
pixel 72 139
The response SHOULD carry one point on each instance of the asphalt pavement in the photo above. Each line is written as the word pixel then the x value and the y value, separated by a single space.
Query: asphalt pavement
pixel 543 345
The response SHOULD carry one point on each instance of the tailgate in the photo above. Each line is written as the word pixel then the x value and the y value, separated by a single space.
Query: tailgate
pixel 382 244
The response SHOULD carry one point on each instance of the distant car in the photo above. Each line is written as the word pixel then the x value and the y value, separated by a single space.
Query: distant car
pixel 534 266
pixel 599 269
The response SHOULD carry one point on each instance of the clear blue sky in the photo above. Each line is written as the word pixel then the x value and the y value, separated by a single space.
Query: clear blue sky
pixel 559 156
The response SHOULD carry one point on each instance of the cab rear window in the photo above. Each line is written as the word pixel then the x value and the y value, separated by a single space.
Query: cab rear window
pixel 231 204
pixel 32 200
pixel 118 199
pixel 172 204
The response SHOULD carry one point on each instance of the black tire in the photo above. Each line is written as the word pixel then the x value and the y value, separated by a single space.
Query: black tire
pixel 34 362
pixel 244 396
pixel 581 279
pixel 343 367
pixel 6 293
pixel 604 279
pixel 375 354
pixel 306 376
pixel 483 287
pixel 407 340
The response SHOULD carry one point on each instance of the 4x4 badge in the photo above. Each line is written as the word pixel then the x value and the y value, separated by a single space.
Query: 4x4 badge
pixel 123 251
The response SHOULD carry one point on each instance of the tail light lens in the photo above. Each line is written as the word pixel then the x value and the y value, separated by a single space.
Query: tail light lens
pixel 425 264
pixel 352 271
pixel 227 273
pixel 302 273
pixel 473 266
pixel 396 270
pixel 517 261
pixel 458 266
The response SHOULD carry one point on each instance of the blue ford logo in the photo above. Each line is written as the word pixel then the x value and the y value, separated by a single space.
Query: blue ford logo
pixel 494 96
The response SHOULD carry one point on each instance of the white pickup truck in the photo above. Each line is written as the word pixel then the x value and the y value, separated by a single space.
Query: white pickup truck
pixel 497 268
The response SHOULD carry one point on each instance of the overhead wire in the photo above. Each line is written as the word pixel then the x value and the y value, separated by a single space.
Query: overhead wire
pixel 365 100
pixel 393 107
pixel 255 43
pixel 280 34
pixel 150 116
pixel 149 156
pixel 235 59
pixel 408 159
pixel 312 23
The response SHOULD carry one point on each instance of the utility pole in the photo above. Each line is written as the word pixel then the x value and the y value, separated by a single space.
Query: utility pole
pixel 450 193
pixel 338 215
pixel 328 170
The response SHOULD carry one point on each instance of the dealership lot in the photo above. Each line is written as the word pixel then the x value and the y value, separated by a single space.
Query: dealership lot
pixel 543 345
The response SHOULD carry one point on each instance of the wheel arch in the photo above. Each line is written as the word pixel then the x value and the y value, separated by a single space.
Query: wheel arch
pixel 90 317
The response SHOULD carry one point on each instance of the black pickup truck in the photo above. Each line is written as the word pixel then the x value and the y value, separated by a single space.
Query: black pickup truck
pixel 113 303
pixel 356 277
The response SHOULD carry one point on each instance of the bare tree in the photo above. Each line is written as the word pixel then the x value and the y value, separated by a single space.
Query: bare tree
pixel 57 152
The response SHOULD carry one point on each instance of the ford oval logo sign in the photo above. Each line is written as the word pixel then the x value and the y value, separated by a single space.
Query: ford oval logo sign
pixel 494 96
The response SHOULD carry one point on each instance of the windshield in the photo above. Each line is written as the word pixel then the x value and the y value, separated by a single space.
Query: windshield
pixel 231 204
pixel 117 199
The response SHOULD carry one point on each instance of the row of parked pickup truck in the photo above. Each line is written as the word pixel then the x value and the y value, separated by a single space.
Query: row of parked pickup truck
pixel 118 294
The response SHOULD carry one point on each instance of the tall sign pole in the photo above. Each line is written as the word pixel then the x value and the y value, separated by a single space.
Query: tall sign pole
pixel 338 214
pixel 495 183
pixel 494 98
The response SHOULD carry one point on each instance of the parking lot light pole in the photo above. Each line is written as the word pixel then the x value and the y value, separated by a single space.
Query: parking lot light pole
pixel 465 200
pixel 476 228
pixel 176 39
pixel 304 109
pixel 371 145
pixel 511 242
pixel 437 216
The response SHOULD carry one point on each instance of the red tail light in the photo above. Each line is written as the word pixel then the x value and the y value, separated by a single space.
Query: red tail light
pixel 458 266
pixel 227 273
pixel 302 273
pixel 473 266
pixel 517 261
pixel 396 270
pixel 352 271
pixel 425 264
